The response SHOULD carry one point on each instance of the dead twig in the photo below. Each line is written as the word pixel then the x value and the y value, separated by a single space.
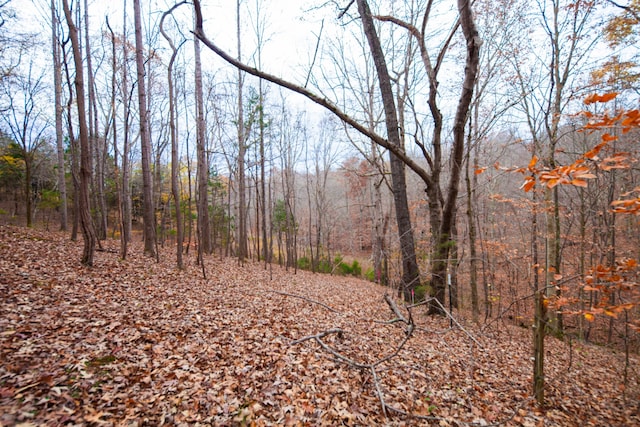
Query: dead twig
pixel 459 325
pixel 371 367
pixel 312 301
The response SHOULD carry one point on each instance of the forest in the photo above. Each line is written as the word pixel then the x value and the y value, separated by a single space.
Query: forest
pixel 356 212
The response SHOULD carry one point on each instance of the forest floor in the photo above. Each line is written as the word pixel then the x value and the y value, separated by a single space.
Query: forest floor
pixel 140 343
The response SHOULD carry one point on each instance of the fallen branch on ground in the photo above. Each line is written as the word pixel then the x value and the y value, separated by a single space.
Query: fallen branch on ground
pixel 333 310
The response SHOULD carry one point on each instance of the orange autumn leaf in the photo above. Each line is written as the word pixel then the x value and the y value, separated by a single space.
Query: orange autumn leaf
pixel 589 317
pixel 593 98
pixel 553 182
pixel 479 170
pixel 585 176
pixel 528 185
pixel 591 154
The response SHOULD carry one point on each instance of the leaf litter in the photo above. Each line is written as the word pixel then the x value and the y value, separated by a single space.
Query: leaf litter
pixel 135 343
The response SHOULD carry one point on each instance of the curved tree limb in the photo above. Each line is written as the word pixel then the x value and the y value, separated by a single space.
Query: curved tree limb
pixel 323 102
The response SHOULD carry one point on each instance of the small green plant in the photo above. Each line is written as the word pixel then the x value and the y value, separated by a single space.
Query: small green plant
pixel 304 263
pixel 324 266
pixel 344 269
pixel 356 270
pixel 370 275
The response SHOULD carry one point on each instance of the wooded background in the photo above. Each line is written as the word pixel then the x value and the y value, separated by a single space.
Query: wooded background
pixel 441 150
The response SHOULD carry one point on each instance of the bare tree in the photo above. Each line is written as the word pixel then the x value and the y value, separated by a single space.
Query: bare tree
pixel 86 221
pixel 57 82
pixel 443 241
pixel 175 160
pixel 26 124
pixel 145 141
pixel 204 232
pixel 410 270
pixel 242 214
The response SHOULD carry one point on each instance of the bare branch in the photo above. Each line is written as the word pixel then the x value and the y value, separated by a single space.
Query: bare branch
pixel 345 9
pixel 625 8
pixel 317 336
pixel 323 102
pixel 333 310
pixel 453 319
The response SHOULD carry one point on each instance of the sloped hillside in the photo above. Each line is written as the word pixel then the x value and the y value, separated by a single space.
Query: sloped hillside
pixel 139 343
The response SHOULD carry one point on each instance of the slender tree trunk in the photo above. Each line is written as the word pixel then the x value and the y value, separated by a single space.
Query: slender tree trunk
pixel 126 106
pixel 147 180
pixel 88 232
pixel 97 165
pixel 204 231
pixel 57 83
pixel 75 161
pixel 473 255
pixel 538 348
pixel 443 245
pixel 410 270
pixel 263 189
pixel 27 186
pixel 453 268
pixel 175 160
pixel 242 220
pixel 114 130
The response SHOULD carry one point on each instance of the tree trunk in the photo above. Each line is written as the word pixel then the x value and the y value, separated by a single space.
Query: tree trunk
pixel 410 270
pixel 86 222
pixel 444 242
pixel 242 220
pixel 538 348
pixel 145 141
pixel 473 256
pixel 95 144
pixel 57 82
pixel 126 101
pixel 175 160
pixel 204 231
pixel 27 187
pixel 263 189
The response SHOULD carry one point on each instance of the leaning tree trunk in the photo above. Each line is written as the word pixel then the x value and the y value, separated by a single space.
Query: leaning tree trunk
pixel 86 222
pixel 410 270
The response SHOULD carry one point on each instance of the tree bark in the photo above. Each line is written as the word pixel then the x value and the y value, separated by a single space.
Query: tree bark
pixel 126 104
pixel 242 219
pixel 175 160
pixel 443 245
pixel 410 270
pixel 97 160
pixel 57 83
pixel 86 222
pixel 145 141
pixel 204 228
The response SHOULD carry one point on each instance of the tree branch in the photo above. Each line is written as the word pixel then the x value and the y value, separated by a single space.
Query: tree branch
pixel 333 310
pixel 323 102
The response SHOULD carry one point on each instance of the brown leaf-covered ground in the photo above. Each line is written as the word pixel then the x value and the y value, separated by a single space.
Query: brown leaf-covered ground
pixel 139 343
